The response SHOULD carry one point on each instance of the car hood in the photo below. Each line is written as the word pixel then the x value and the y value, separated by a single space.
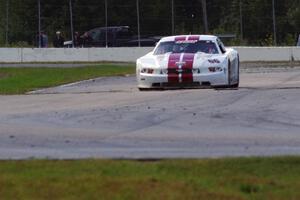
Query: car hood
pixel 198 60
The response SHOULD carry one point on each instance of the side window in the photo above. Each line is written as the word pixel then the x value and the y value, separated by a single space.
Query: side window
pixel 102 36
pixel 221 46
pixel 164 47
pixel 95 35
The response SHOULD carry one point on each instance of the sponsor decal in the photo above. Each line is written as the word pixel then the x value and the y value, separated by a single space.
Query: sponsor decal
pixel 213 61
pixel 189 39
pixel 186 41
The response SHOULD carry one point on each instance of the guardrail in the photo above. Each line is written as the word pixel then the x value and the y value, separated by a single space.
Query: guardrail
pixel 130 54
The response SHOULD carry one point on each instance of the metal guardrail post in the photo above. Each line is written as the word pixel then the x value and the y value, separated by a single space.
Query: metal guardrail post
pixel 71 22
pixel 274 23
pixel 173 20
pixel 241 20
pixel 39 19
pixel 205 16
pixel 106 24
pixel 7 20
pixel 138 21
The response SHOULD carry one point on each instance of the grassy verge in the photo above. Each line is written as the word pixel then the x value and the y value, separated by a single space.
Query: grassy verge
pixel 235 178
pixel 22 80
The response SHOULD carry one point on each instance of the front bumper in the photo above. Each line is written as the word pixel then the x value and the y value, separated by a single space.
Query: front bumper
pixel 199 80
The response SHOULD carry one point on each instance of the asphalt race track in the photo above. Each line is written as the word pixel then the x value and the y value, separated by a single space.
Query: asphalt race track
pixel 110 118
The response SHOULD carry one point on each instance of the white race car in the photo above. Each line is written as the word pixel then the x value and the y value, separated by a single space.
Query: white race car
pixel 188 61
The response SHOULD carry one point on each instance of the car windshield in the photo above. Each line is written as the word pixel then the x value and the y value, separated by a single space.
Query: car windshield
pixel 205 46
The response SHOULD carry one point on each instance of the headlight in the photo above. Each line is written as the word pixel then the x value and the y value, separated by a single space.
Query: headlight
pixel 147 70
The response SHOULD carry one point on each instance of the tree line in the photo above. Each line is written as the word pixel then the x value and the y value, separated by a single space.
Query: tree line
pixel 250 21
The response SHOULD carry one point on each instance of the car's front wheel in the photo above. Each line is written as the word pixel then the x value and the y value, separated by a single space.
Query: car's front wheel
pixel 229 75
pixel 236 85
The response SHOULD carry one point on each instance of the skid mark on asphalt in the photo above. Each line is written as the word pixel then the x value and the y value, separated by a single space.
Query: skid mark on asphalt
pixel 85 92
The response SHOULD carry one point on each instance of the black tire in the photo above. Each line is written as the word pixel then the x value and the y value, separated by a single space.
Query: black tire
pixel 238 74
pixel 229 75
pixel 236 85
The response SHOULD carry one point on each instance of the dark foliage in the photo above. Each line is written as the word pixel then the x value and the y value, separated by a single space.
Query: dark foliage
pixel 224 17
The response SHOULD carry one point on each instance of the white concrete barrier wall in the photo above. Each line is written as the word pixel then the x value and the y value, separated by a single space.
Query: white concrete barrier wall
pixel 275 54
pixel 296 53
pixel 54 55
pixel 130 54
pixel 121 54
pixel 10 55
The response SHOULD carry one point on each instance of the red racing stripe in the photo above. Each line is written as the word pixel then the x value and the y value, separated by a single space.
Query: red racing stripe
pixel 193 37
pixel 180 38
pixel 173 76
pixel 187 76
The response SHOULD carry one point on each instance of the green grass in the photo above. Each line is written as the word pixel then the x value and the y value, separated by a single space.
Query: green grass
pixel 234 178
pixel 22 80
